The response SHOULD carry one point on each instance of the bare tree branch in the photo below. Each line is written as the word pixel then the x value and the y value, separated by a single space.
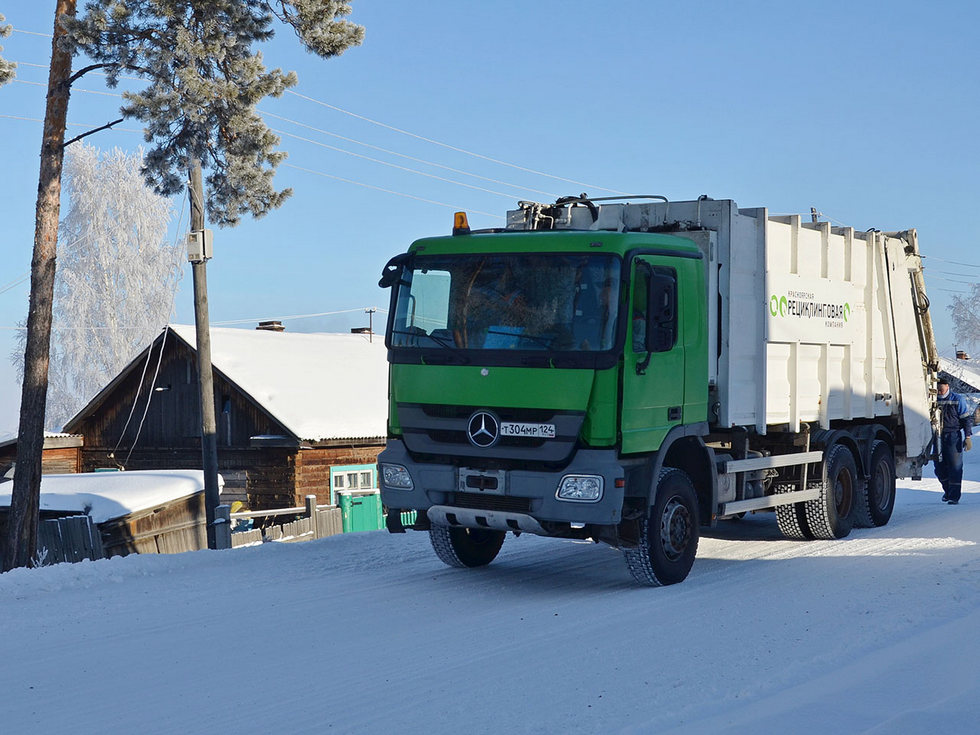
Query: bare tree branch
pixel 92 132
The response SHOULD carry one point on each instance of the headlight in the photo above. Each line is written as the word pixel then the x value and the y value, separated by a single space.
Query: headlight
pixel 396 476
pixel 581 488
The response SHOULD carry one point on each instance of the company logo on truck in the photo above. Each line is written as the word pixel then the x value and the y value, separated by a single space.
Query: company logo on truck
pixel 483 429
pixel 804 305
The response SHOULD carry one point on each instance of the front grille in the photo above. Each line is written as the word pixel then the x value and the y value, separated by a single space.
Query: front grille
pixel 440 430
pixel 502 503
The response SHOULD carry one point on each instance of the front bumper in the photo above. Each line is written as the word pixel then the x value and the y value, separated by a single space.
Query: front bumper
pixel 529 494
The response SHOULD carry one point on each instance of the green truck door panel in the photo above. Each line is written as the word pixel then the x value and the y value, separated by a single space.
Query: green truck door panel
pixel 653 401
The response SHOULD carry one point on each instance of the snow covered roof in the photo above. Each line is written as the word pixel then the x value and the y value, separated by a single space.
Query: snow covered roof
pixel 108 495
pixel 319 386
pixel 967 371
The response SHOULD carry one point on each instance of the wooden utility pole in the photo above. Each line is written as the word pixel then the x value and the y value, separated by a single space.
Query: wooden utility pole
pixel 21 541
pixel 209 437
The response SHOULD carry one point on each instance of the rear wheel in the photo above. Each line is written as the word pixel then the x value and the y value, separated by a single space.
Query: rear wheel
pixel 791 520
pixel 668 534
pixel 831 515
pixel 466 547
pixel 875 504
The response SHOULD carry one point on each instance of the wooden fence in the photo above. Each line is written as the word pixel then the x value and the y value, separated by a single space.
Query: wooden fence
pixel 317 521
pixel 73 538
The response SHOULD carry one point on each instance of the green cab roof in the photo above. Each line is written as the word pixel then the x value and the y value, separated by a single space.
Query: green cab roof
pixel 557 241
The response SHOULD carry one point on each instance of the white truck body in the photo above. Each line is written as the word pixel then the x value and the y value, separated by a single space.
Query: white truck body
pixel 812 323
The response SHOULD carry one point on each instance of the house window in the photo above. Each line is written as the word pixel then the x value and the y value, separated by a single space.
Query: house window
pixel 352 477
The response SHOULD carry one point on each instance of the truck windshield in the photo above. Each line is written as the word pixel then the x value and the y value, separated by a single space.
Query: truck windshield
pixel 555 302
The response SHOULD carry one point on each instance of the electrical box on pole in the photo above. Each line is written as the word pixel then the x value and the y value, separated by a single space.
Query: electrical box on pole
pixel 200 245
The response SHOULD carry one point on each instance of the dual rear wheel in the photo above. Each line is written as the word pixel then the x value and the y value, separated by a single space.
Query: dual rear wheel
pixel 845 499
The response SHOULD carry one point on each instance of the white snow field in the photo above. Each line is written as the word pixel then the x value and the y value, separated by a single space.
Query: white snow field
pixel 370 633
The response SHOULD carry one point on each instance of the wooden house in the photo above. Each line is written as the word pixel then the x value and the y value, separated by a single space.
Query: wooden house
pixel 296 414
pixel 60 455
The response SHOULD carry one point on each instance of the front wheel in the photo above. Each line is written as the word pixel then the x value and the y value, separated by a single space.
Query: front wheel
pixel 668 534
pixel 466 547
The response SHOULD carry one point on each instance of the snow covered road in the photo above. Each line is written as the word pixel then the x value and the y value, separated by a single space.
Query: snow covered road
pixel 878 632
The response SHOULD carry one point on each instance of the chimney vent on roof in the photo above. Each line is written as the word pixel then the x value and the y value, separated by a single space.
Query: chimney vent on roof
pixel 961 355
pixel 271 326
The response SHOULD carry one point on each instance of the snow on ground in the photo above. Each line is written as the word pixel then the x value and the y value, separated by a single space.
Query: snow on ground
pixel 369 632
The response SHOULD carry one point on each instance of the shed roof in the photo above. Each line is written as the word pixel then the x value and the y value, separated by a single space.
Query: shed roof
pixel 966 371
pixel 320 387
pixel 108 495
pixel 52 440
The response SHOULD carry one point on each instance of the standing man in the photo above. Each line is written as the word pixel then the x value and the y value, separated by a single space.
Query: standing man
pixel 957 427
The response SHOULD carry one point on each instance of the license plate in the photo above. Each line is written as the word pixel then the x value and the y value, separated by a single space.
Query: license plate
pixel 534 431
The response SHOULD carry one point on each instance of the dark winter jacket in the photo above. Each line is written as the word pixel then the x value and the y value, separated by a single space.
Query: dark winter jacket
pixel 956 414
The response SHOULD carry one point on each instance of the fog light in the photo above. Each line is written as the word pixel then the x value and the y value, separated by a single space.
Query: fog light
pixel 580 488
pixel 396 476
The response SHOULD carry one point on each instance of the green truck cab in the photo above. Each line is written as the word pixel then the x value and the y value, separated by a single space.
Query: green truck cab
pixel 535 380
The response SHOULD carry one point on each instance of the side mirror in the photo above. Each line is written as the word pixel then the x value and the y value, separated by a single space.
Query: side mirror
pixel 393 270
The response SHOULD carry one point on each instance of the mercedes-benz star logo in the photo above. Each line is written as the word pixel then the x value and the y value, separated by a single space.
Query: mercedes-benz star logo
pixel 483 429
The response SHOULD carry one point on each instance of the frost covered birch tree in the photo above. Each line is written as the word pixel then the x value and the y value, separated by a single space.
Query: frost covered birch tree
pixel 965 313
pixel 204 81
pixel 117 273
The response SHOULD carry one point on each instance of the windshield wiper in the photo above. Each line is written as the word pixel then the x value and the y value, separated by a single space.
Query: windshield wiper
pixel 441 341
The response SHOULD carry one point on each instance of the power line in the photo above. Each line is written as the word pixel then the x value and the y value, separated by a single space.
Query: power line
pixel 97 73
pixel 403 155
pixel 30 33
pixel 951 262
pixel 390 127
pixel 292 317
pixel 71 125
pixel 308 170
pixel 73 89
pixel 386 191
pixel 404 132
pixel 15 283
pixel 384 163
pixel 930 276
pixel 450 147
pixel 393 165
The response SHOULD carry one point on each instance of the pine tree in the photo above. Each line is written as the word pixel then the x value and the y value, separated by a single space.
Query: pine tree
pixel 204 83
pixel 116 276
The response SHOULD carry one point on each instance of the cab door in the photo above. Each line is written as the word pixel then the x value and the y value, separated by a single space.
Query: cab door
pixel 653 356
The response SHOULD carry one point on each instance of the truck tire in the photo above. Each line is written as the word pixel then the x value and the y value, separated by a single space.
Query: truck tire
pixel 791 520
pixel 876 502
pixel 831 516
pixel 668 533
pixel 466 547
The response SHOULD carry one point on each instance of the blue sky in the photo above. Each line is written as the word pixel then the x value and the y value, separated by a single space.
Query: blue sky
pixel 865 110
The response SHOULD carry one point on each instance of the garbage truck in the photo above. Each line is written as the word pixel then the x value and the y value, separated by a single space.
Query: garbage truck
pixel 632 370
